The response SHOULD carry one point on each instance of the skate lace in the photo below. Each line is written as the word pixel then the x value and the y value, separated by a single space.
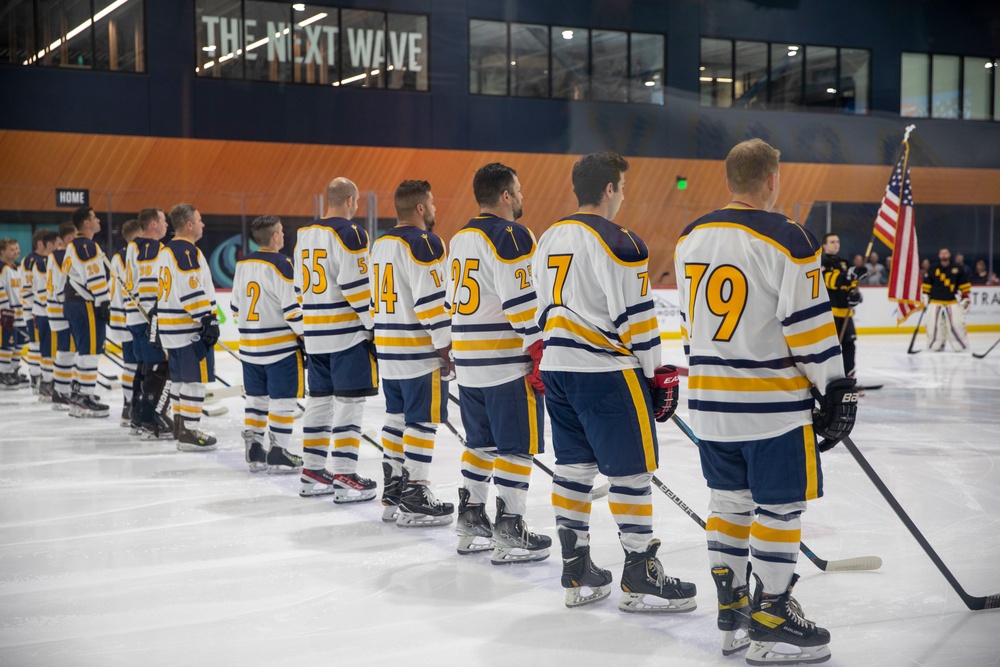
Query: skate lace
pixel 796 614
pixel 655 568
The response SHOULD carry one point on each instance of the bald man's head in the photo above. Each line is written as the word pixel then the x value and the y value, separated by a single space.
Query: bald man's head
pixel 339 191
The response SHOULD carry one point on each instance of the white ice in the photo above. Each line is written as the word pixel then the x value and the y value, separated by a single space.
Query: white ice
pixel 120 552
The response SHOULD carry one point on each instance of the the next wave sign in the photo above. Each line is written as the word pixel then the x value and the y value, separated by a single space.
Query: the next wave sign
pixel 75 197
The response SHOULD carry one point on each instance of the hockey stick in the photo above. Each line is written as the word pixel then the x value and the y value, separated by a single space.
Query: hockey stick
pixel 916 330
pixel 971 601
pixel 977 355
pixel 861 563
pixel 598 492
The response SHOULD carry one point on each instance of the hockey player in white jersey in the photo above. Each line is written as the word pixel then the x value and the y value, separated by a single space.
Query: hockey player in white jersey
pixel 118 332
pixel 331 269
pixel 761 342
pixel 86 305
pixel 268 310
pixel 497 346
pixel 11 314
pixel 151 404
pixel 28 270
pixel 187 324
pixel 413 337
pixel 603 388
pixel 63 350
pixel 45 243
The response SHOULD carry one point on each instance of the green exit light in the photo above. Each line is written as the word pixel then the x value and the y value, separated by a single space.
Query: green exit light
pixel 682 182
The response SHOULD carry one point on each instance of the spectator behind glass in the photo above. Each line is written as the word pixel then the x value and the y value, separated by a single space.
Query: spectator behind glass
pixel 959 260
pixel 983 277
pixel 925 266
pixel 876 272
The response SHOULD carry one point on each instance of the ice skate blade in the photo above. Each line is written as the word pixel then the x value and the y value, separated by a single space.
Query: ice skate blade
pixel 281 470
pixel 731 643
pixel 410 520
pixel 152 437
pixel 309 490
pixel 778 653
pixel 348 496
pixel 472 544
pixel 576 598
pixel 508 555
pixel 389 513
pixel 188 447
pixel 257 466
pixel 61 407
pixel 635 603
pixel 87 414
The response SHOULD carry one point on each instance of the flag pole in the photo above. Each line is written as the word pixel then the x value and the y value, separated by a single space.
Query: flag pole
pixel 906 157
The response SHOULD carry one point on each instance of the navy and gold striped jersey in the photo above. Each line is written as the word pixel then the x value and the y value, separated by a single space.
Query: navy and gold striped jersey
pixel 756 322
pixel 186 293
pixel 86 275
pixel 594 304
pixel 267 307
pixel 55 283
pixel 117 331
pixel 493 301
pixel 409 302
pixel 942 283
pixel 331 268
pixel 141 278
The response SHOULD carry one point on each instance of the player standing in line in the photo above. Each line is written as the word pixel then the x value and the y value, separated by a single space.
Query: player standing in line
pixel 32 355
pixel 941 284
pixel 45 242
pixel 841 280
pixel 603 388
pixel 413 337
pixel 149 419
pixel 11 314
pixel 87 307
pixel 266 303
pixel 497 347
pixel 331 269
pixel 187 324
pixel 63 350
pixel 760 338
pixel 118 332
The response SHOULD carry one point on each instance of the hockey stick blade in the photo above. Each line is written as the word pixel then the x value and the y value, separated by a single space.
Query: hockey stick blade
pixel 916 330
pixel 856 564
pixel 979 355
pixel 973 602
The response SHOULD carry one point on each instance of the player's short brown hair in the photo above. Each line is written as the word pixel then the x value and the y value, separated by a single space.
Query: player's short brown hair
pixel 147 216
pixel 6 243
pixel 181 214
pixel 262 228
pixel 409 194
pixel 592 173
pixel 66 229
pixel 749 164
pixel 130 228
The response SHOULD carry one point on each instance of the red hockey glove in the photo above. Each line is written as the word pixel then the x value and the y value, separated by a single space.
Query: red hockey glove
pixel 965 301
pixel 663 388
pixel 535 376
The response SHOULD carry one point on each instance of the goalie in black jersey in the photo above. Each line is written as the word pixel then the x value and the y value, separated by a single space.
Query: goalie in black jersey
pixel 946 286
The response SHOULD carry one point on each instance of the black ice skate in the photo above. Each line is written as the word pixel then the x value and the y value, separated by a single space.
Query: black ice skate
pixel 353 488
pixel 45 391
pixel 643 576
pixel 60 401
pixel 475 532
pixel 9 381
pixel 734 611
pixel 85 406
pixel 254 453
pixel 419 508
pixel 161 428
pixel 126 420
pixel 513 542
pixel 779 620
pixel 280 461
pixel 579 572
pixel 193 441
pixel 392 489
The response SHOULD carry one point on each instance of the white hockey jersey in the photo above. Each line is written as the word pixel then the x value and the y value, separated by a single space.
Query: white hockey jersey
pixel 55 283
pixel 756 322
pixel 594 303
pixel 86 275
pixel 141 278
pixel 39 295
pixel 331 269
pixel 493 301
pixel 116 327
pixel 26 270
pixel 186 294
pixel 409 303
pixel 10 292
pixel 267 307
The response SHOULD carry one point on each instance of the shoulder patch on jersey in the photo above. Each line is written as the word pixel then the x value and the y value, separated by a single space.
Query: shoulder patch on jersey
pixel 282 263
pixel 511 240
pixel 85 248
pixel 185 254
pixel 352 235
pixel 425 246
pixel 797 241
pixel 59 256
pixel 624 244
pixel 121 254
pixel 147 249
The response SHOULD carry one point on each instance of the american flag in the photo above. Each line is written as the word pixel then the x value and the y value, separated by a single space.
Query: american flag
pixel 894 226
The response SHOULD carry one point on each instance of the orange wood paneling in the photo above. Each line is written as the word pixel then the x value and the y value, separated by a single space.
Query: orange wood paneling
pixel 220 177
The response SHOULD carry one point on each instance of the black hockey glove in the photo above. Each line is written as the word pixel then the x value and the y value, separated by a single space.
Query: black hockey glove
pixel 663 389
pixel 854 297
pixel 834 418
pixel 210 330
pixel 856 273
pixel 104 313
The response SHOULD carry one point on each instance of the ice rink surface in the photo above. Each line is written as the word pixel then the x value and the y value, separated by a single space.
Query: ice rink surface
pixel 120 552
